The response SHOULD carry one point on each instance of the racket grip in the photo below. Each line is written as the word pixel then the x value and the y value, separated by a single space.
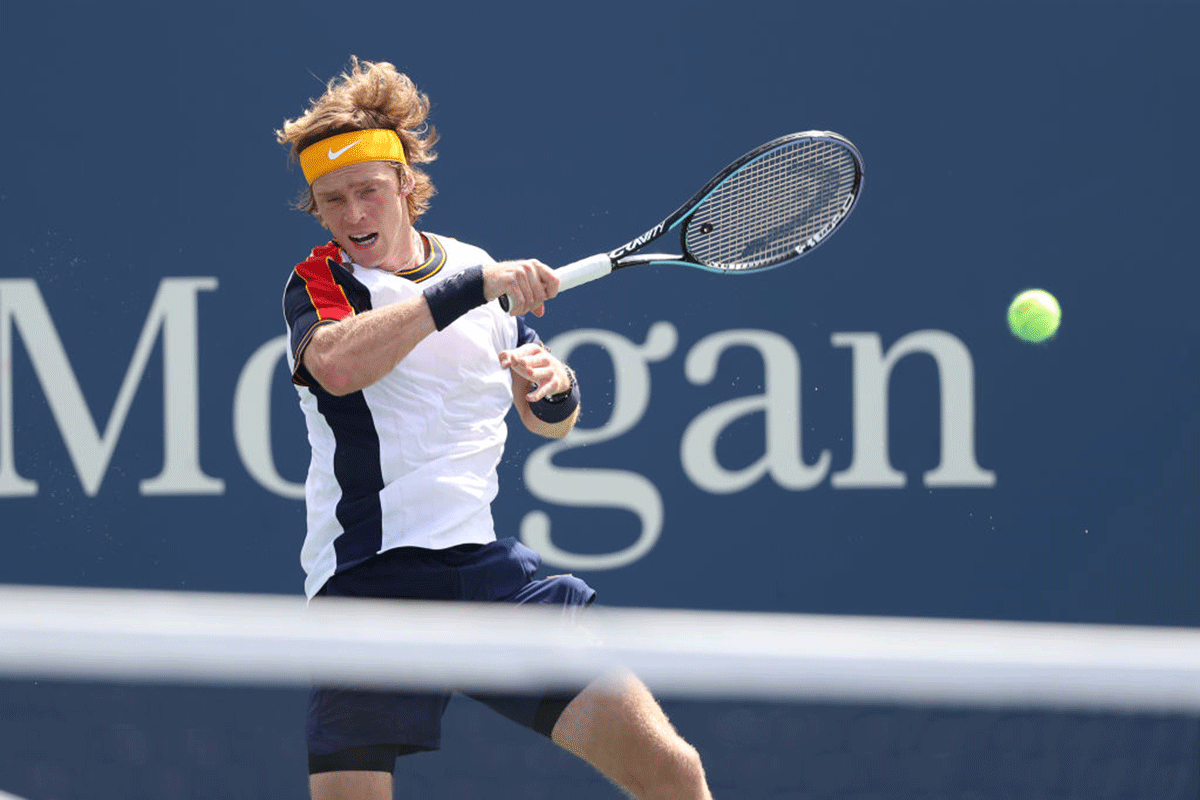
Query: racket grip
pixel 575 273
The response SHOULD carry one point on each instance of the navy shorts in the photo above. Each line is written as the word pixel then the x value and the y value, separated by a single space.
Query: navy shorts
pixel 351 729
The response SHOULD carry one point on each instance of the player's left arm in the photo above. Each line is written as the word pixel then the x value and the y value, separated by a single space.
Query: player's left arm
pixel 545 390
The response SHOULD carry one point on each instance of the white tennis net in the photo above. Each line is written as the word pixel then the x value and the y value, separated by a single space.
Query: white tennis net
pixel 126 635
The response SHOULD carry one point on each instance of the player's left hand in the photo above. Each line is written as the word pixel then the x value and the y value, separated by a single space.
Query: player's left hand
pixel 535 364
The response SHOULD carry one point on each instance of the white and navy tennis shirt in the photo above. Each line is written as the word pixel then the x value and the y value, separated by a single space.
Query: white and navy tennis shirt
pixel 410 460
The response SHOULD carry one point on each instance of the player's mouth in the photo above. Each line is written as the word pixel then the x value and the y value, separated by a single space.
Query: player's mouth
pixel 365 240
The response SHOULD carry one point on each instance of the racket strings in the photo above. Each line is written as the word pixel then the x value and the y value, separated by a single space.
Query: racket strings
pixel 774 207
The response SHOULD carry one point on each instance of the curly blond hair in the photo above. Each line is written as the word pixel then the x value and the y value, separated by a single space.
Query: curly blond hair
pixel 369 95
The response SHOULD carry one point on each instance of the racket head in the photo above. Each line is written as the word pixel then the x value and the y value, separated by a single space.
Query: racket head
pixel 772 205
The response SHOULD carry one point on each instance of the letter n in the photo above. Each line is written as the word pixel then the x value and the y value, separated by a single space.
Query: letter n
pixel 871 465
pixel 173 313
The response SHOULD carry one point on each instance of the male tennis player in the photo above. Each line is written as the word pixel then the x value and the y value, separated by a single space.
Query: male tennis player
pixel 405 373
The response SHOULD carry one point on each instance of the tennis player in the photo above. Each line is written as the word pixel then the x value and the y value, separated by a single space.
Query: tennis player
pixel 405 372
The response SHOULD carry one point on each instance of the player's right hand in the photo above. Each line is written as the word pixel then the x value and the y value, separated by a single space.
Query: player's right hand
pixel 528 283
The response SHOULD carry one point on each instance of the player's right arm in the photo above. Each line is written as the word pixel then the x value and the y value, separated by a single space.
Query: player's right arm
pixel 350 354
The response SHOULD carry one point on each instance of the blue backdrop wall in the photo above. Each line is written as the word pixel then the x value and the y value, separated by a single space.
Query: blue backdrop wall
pixel 858 434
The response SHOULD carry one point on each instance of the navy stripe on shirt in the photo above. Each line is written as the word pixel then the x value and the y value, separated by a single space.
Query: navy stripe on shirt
pixel 358 471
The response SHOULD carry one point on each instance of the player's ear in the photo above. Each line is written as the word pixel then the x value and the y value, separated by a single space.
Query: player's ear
pixel 408 181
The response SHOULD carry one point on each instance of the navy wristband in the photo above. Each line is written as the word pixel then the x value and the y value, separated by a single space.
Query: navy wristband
pixel 557 407
pixel 450 299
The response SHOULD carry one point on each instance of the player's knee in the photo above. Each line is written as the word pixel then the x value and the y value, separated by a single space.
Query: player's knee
pixel 676 772
pixel 688 769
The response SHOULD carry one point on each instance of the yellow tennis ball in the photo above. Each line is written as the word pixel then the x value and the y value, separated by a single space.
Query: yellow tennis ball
pixel 1034 315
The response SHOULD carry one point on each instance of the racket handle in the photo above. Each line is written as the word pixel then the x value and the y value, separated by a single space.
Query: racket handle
pixel 575 273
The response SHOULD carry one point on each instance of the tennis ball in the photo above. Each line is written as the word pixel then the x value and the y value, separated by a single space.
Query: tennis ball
pixel 1034 315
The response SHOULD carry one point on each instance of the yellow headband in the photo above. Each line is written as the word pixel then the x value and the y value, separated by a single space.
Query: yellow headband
pixel 350 148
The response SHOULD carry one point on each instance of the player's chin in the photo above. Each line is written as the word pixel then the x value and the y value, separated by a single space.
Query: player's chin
pixel 366 250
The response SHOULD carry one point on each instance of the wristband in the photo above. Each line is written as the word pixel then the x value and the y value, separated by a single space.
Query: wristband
pixel 556 407
pixel 450 299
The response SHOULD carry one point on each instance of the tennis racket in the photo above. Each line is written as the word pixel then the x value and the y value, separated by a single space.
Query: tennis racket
pixel 771 206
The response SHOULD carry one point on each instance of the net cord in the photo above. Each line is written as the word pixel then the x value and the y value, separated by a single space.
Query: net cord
pixel 268 640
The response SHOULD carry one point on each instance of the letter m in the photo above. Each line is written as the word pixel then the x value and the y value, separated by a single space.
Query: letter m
pixel 173 314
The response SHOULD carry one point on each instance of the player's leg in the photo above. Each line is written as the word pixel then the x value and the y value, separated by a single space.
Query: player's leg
pixel 355 736
pixel 617 726
pixel 350 785
pixel 363 771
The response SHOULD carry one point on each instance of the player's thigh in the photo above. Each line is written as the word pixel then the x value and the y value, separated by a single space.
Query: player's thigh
pixel 616 721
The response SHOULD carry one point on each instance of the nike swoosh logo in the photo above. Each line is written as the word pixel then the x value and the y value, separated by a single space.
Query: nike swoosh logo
pixel 334 155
